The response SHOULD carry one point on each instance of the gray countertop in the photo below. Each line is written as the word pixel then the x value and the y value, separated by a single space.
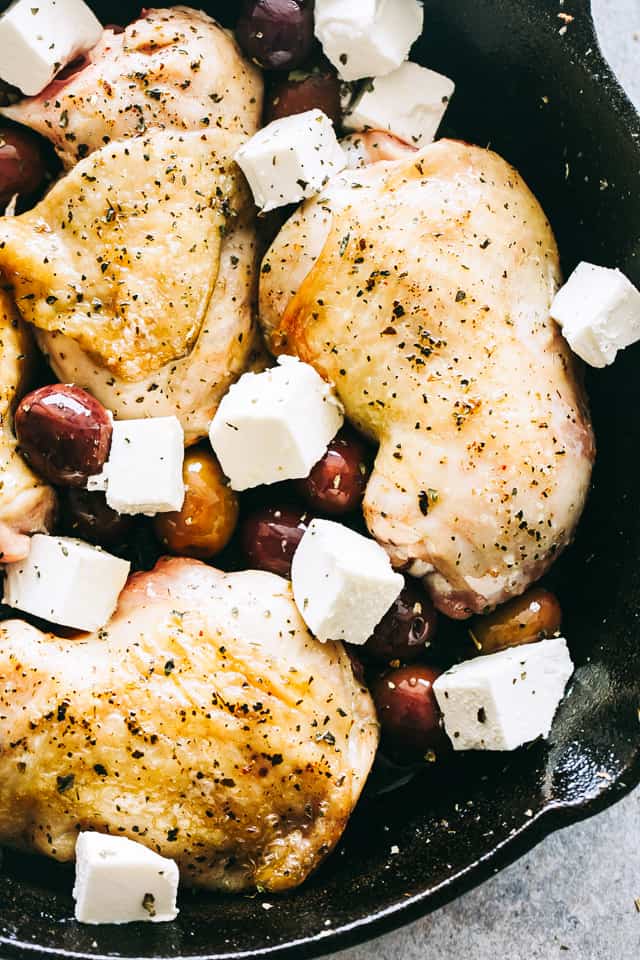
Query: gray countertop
pixel 574 895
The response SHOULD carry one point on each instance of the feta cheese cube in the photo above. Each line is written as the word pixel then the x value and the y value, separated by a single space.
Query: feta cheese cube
pixel 144 471
pixel 66 581
pixel 367 38
pixel 504 699
pixel 275 425
pixel 599 312
pixel 121 881
pixel 39 39
pixel 343 583
pixel 410 103
pixel 291 159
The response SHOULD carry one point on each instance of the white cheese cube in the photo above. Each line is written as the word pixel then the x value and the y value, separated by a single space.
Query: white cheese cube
pixel 275 425
pixel 367 38
pixel 121 881
pixel 504 699
pixel 343 583
pixel 144 471
pixel 291 159
pixel 66 581
pixel 410 103
pixel 599 312
pixel 39 37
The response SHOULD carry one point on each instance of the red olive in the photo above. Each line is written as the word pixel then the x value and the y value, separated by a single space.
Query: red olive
pixel 271 536
pixel 22 163
pixel 319 90
pixel 276 34
pixel 89 517
pixel 408 712
pixel 407 629
pixel 337 482
pixel 64 433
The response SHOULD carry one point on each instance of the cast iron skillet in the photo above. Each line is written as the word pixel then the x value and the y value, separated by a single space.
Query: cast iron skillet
pixel 545 100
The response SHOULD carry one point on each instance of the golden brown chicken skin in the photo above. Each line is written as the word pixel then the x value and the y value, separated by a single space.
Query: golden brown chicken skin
pixel 173 69
pixel 138 272
pixel 204 721
pixel 422 289
pixel 27 505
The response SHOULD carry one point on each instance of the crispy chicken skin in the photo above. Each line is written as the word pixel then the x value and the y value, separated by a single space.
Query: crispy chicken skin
pixel 422 288
pixel 138 272
pixel 203 721
pixel 27 505
pixel 174 69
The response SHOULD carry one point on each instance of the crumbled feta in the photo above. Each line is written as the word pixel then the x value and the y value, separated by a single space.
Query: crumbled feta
pixel 290 159
pixel 144 471
pixel 66 581
pixel 121 881
pixel 343 583
pixel 599 312
pixel 275 425
pixel 367 38
pixel 37 39
pixel 502 700
pixel 410 103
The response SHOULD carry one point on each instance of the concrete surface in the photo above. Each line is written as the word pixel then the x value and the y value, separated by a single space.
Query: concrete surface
pixel 574 895
pixel 618 25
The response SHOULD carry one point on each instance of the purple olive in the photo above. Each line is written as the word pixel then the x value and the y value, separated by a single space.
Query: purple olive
pixel 318 90
pixel 337 482
pixel 270 537
pixel 89 517
pixel 276 34
pixel 408 712
pixel 407 629
pixel 64 433
pixel 22 163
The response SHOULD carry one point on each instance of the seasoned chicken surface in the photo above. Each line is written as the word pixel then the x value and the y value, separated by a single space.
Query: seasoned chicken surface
pixel 203 721
pixel 373 146
pixel 175 69
pixel 123 253
pixel 166 319
pixel 26 504
pixel 422 288
pixel 137 269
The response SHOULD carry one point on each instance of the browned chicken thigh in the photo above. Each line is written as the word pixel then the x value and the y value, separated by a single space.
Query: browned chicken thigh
pixel 204 721
pixel 137 271
pixel 171 69
pixel 422 288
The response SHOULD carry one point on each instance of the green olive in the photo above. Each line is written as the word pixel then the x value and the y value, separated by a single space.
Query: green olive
pixel 533 616
pixel 209 514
